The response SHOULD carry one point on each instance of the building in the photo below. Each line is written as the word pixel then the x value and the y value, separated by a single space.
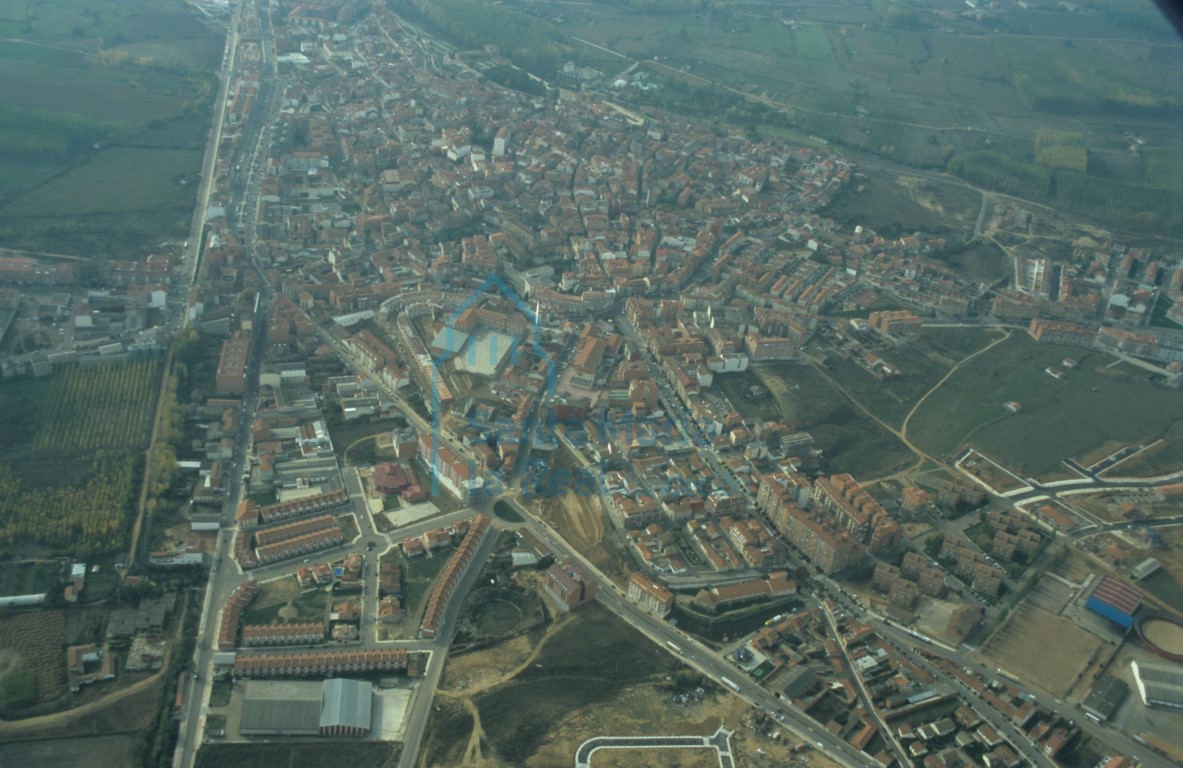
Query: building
pixel 650 595
pixel 1059 332
pixel 1115 600
pixel 894 323
pixel 311 633
pixel 1159 685
pixel 453 573
pixel 326 663
pixel 725 596
pixel 568 585
pixel 334 707
pixel 1105 697
pixel 232 364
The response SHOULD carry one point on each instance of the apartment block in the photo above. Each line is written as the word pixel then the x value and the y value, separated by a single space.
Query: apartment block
pixel 650 594
pixel 568 585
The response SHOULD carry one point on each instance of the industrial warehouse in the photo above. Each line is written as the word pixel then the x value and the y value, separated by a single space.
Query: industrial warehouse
pixel 334 707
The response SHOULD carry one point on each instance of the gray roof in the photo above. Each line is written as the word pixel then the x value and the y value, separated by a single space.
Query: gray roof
pixel 1159 684
pixel 1106 695
pixel 346 703
pixel 281 706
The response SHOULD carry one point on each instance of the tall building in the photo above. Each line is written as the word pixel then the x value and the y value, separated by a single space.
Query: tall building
pixel 569 585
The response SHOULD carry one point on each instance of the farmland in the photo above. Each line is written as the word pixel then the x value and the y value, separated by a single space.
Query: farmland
pixel 32 667
pixel 369 754
pixel 104 107
pixel 141 180
pixel 68 471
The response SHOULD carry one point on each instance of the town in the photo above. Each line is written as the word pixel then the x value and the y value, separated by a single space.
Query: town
pixel 455 367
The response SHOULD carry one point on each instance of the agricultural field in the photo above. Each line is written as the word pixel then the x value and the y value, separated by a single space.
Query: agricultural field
pixel 968 408
pixel 361 754
pixel 104 110
pixel 88 752
pixel 120 180
pixel 68 473
pixel 29 577
pixel 32 665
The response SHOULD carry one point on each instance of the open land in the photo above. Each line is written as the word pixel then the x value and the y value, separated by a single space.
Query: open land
pixel 1020 647
pixel 362 754
pixel 114 751
pixel 851 441
pixel 968 408
pixel 105 107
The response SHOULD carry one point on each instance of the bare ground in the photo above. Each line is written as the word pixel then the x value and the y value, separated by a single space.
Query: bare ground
pixel 1021 648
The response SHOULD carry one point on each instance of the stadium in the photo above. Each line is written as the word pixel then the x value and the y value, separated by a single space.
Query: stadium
pixel 1161 633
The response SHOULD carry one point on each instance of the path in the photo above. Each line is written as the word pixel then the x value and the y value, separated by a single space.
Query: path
pixel 142 505
pixel 472 752
pixel 902 432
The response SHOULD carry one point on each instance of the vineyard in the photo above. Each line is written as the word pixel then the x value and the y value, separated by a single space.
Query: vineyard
pixel 72 469
pixel 32 665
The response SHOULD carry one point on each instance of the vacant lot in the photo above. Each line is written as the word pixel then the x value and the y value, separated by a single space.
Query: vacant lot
pixel 968 408
pixel 851 441
pixel 570 672
pixel 1020 647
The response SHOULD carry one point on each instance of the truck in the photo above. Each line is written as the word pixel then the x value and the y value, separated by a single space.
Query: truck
pixel 727 681
pixel 674 647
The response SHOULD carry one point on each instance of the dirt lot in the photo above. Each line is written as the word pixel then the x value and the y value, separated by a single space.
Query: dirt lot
pixel 1020 647
pixel 580 521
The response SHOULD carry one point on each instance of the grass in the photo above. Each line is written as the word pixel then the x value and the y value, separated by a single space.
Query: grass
pixel 1163 586
pixel 851 441
pixel 309 606
pixel 569 673
pixel 505 511
pixel 18 689
pixel 27 578
pixel 306 754
pixel 421 573
pixel 120 180
pixel 1164 167
pixel 1060 418
pixel 737 387
pixel 220 695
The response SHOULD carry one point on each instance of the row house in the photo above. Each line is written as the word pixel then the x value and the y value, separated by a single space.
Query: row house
pixel 457 566
pixel 240 598
pixel 301 545
pixel 327 663
pixel 312 633
pixel 293 530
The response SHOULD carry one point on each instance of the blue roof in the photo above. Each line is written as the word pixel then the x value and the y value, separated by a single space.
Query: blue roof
pixel 1116 615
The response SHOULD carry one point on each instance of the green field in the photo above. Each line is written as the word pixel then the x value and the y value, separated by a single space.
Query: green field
pixel 1060 418
pixel 850 440
pixel 117 181
pixel 305 754
pixel 421 573
pixel 922 364
pixel 309 607
pixel 28 577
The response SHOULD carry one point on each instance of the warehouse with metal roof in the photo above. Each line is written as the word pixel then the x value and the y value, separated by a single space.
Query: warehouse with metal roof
pixel 335 707
pixel 281 707
pixel 1115 600
pixel 346 708
pixel 1159 685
